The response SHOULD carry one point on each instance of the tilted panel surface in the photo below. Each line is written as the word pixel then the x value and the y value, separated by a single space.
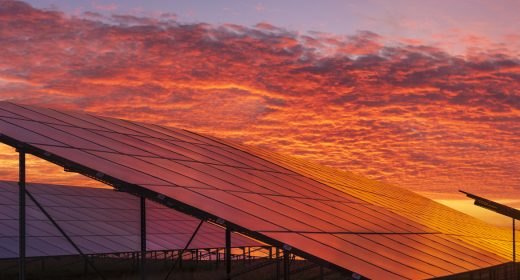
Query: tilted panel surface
pixel 408 204
pixel 268 196
pixel 99 221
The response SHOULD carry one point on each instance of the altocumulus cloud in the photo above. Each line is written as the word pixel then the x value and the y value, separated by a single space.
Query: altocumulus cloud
pixel 413 115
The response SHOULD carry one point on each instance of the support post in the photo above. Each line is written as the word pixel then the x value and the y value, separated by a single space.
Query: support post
pixel 514 241
pixel 515 266
pixel 286 265
pixel 228 253
pixel 143 238
pixel 21 218
pixel 278 263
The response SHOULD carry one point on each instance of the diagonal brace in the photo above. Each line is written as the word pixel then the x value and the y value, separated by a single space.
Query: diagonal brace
pixel 64 234
pixel 182 251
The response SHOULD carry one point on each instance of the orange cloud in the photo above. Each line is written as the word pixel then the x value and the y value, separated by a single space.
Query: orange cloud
pixel 406 113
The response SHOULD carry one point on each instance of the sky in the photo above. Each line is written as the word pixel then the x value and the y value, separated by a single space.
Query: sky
pixel 421 94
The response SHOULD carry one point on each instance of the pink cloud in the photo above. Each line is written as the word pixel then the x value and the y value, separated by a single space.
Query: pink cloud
pixel 406 112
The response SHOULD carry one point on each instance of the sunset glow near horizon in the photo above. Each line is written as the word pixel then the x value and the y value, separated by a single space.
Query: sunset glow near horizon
pixel 424 97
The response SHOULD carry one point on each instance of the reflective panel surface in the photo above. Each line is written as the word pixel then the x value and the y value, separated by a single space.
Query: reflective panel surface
pixel 98 221
pixel 374 229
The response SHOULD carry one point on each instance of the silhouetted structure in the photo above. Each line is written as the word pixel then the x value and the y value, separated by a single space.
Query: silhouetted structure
pixel 333 219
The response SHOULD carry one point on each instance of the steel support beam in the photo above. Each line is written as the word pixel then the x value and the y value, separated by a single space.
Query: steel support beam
pixel 142 263
pixel 228 253
pixel 21 217
pixel 515 267
pixel 278 263
pixel 286 265
pixel 181 253
pixel 514 241
pixel 51 219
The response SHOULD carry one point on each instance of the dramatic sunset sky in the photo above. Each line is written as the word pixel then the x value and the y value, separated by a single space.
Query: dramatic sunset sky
pixel 421 94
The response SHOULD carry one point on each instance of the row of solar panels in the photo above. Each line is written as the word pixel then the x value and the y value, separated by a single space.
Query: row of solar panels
pixel 405 203
pixel 334 216
pixel 99 221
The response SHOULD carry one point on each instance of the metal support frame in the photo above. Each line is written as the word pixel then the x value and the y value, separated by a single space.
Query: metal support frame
pixel 286 265
pixel 278 263
pixel 21 218
pixel 51 219
pixel 177 205
pixel 514 241
pixel 142 262
pixel 500 209
pixel 228 253
pixel 515 267
pixel 181 253
pixel 252 268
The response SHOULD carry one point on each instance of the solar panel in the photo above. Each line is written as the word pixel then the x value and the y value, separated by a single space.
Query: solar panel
pixel 406 203
pixel 352 223
pixel 100 221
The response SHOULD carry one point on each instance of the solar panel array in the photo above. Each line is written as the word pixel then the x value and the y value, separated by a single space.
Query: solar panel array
pixel 323 213
pixel 408 204
pixel 98 221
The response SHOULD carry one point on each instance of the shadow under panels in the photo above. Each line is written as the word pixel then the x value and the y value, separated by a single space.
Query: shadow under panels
pixel 248 189
pixel 99 221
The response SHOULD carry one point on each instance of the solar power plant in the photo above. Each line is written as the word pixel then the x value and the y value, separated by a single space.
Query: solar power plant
pixel 100 221
pixel 325 215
